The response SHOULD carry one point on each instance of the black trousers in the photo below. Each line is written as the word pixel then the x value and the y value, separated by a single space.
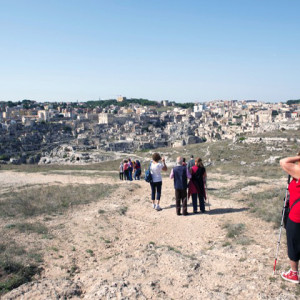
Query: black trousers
pixel 181 198
pixel 293 240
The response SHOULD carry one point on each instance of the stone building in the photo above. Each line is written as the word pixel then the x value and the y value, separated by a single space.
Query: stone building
pixel 105 118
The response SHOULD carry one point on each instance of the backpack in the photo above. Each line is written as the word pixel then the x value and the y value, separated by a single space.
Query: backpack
pixel 148 175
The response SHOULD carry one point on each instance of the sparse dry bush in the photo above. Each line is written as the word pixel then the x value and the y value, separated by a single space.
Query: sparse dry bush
pixel 234 230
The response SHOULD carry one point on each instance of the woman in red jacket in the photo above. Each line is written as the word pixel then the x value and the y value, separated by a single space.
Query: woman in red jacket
pixel 197 185
pixel 292 167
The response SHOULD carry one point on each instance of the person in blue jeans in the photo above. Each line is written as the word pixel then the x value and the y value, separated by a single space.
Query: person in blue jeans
pixel 130 169
pixel 155 169
pixel 137 167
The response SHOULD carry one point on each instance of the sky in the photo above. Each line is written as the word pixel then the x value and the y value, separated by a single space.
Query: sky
pixel 183 51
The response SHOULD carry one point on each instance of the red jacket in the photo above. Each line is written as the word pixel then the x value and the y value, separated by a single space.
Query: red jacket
pixel 294 190
pixel 194 187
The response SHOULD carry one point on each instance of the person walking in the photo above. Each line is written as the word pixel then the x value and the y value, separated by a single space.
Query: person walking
pixel 155 169
pixel 292 167
pixel 180 174
pixel 121 170
pixel 196 185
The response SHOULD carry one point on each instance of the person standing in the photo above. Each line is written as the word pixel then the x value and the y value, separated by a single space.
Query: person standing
pixel 180 174
pixel 138 170
pixel 191 163
pixel 130 169
pixel 125 168
pixel 292 167
pixel 121 170
pixel 196 185
pixel 155 169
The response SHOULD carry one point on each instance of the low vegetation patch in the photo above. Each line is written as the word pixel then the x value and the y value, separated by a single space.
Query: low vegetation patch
pixel 102 166
pixel 267 204
pixel 21 209
pixel 37 227
pixel 234 230
pixel 17 266
pixel 50 199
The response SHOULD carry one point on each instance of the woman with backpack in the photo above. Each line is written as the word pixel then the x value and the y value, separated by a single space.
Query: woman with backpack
pixel 197 185
pixel 155 169
pixel 292 167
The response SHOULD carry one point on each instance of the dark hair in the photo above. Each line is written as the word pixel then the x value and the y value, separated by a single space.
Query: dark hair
pixel 199 162
pixel 192 156
pixel 183 159
pixel 156 157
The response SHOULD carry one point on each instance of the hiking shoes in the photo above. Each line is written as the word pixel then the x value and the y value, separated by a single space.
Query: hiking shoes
pixel 291 276
pixel 154 206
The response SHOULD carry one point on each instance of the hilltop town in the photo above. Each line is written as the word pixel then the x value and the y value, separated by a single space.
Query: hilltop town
pixel 28 129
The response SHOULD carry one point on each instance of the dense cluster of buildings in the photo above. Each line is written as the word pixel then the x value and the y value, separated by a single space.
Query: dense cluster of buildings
pixel 136 127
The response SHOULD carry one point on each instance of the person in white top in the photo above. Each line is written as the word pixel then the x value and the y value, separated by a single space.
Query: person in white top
pixel 155 168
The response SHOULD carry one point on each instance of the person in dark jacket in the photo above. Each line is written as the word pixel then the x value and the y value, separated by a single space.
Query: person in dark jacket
pixel 197 185
pixel 180 174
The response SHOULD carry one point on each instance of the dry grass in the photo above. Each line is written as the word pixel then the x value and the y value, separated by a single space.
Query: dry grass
pixel 51 199
pixel 103 166
pixel 17 264
pixel 267 204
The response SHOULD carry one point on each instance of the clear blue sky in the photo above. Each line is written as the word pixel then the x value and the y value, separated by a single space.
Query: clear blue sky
pixel 192 50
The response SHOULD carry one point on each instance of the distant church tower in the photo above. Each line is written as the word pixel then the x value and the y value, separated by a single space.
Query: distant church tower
pixel 121 99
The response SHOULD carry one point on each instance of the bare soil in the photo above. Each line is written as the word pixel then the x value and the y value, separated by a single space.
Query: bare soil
pixel 121 248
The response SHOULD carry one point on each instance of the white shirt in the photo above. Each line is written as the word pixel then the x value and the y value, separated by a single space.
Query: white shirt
pixel 155 170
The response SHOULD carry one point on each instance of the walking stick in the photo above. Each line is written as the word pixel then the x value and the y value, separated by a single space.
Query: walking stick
pixel 284 201
pixel 207 197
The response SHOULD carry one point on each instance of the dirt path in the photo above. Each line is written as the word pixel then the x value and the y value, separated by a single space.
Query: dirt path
pixel 131 251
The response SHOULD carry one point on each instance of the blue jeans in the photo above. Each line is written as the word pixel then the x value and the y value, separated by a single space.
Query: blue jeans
pixel 130 174
pixel 155 188
pixel 201 201
pixel 137 174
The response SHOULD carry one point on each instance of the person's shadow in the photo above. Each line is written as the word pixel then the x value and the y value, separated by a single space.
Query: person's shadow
pixel 216 211
pixel 220 211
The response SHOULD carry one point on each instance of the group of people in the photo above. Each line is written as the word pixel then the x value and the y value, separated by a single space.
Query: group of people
pixel 196 173
pixel 193 170
pixel 190 180
pixel 130 169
